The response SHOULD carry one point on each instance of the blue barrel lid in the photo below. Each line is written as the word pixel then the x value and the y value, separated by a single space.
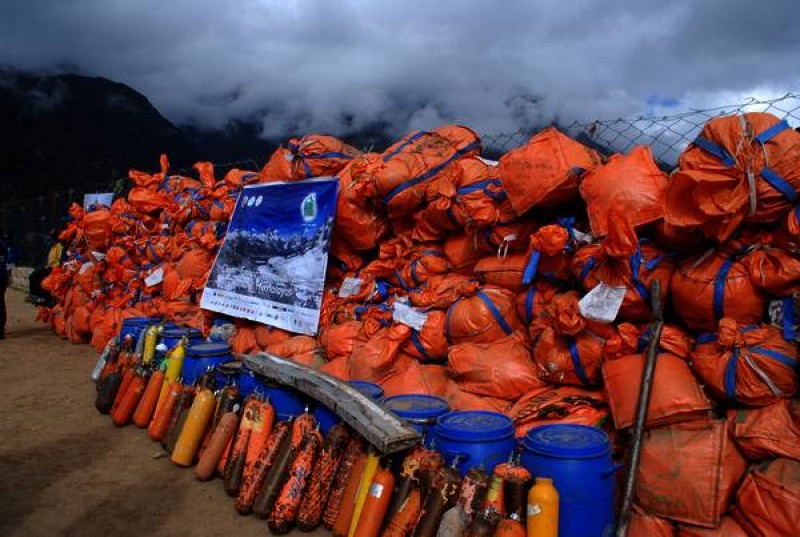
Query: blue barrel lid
pixel 180 331
pixel 417 406
pixel 567 441
pixel 474 425
pixel 373 391
pixel 202 350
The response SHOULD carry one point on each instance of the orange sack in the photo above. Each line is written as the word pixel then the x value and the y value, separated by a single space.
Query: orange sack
pixel 689 472
pixel 545 172
pixel 631 184
pixel 358 221
pixel 550 252
pixel 713 190
pixel 768 432
pixel 621 260
pixel 317 155
pixel 747 364
pixel 768 502
pixel 374 359
pixel 430 343
pixel 458 399
pixel 484 317
pixel 502 368
pixel 464 251
pixel 727 528
pixel 339 340
pixel 398 178
pixel 502 271
pixel 442 290
pixel 570 350
pixel 644 525
pixel 676 396
pixel 562 404
pixel 708 287
pixel 409 376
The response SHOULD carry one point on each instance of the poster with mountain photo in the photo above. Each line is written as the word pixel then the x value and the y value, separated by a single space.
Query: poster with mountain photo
pixel 271 266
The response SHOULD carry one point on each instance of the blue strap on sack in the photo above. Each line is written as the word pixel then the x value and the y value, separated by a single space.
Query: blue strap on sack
pixel 720 152
pixel 719 288
pixel 411 139
pixel 419 346
pixel 495 313
pixel 529 298
pixel 531 267
pixel 576 362
pixel 789 330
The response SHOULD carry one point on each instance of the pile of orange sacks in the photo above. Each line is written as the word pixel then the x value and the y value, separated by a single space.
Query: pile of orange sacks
pixel 495 258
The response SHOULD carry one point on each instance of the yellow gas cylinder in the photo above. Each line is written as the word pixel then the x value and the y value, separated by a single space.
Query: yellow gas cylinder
pixel 174 364
pixel 194 428
pixel 150 342
pixel 363 489
pixel 543 509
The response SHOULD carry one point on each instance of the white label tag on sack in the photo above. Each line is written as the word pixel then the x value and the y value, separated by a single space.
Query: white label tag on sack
pixel 602 303
pixel 155 277
pixel 86 266
pixel 350 287
pixel 98 256
pixel 582 238
pixel 408 316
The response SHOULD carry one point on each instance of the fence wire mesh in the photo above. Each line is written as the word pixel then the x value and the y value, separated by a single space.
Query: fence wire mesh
pixel 667 135
pixel 30 221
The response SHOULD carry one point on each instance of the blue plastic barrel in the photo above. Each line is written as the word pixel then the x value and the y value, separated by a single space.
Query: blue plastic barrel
pixel 286 401
pixel 133 326
pixel 418 410
pixel 476 437
pixel 578 459
pixel 170 336
pixel 202 357
pixel 327 418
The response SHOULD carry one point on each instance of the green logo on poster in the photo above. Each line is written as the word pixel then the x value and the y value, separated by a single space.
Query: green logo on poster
pixel 309 207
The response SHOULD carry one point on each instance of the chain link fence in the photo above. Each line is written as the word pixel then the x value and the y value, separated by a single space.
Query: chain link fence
pixel 31 221
pixel 667 135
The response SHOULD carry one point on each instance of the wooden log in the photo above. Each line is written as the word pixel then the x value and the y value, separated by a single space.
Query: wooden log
pixel 378 426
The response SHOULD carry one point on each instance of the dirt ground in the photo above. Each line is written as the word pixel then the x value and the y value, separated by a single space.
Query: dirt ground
pixel 65 470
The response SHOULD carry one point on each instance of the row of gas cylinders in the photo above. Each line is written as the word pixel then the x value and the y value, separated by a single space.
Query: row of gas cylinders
pixel 239 429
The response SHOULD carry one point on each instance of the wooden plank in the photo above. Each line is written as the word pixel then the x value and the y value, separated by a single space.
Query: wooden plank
pixel 379 427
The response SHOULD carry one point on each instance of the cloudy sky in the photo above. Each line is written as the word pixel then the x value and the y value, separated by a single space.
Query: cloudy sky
pixel 336 66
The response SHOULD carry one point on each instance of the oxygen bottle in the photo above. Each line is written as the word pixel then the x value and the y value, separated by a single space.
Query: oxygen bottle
pixel 199 417
pixel 370 468
pixel 150 341
pixel 543 509
pixel 158 427
pixel 174 365
pixel 147 404
pixel 376 504
pixel 121 414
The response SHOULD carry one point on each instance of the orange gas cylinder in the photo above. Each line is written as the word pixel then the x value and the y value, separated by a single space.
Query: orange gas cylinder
pixel 147 405
pixel 254 476
pixel 127 377
pixel 354 449
pixel 123 413
pixel 286 506
pixel 403 522
pixel 194 428
pixel 262 428
pixel 234 467
pixel 376 504
pixel 219 440
pixel 158 427
pixel 543 509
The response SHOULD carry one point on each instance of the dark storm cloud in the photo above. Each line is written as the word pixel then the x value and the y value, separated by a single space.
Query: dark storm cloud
pixel 315 65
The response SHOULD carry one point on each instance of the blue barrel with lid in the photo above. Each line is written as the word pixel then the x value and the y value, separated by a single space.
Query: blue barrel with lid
pixel 476 437
pixel 287 402
pixel 418 410
pixel 578 459
pixel 327 418
pixel 201 357
pixel 171 336
pixel 133 326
